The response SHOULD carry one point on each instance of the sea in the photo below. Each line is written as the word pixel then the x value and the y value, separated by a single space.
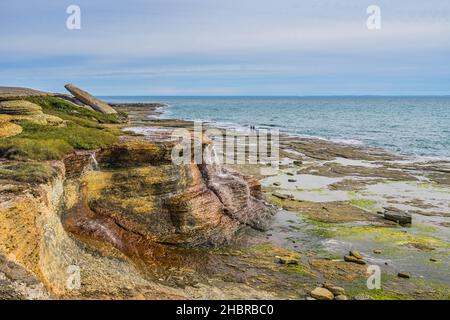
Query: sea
pixel 414 126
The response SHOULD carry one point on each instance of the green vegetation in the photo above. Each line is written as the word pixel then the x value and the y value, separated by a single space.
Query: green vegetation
pixel 68 111
pixel 365 204
pixel 31 172
pixel 85 129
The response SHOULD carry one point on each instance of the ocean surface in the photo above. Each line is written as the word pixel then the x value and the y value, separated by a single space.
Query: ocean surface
pixel 418 126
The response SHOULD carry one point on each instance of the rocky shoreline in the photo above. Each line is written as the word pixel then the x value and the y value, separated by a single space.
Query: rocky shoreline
pixel 139 227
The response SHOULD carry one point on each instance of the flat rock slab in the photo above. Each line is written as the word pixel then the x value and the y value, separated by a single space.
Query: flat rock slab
pixel 398 216
pixel 89 99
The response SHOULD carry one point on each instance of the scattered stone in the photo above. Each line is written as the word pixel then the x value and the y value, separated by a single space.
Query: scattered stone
pixel 90 100
pixel 354 260
pixel 289 173
pixel 356 254
pixel 310 298
pixel 341 297
pixel 376 251
pixel 433 260
pixel 297 163
pixel 362 296
pixel 322 294
pixel 292 180
pixel 393 214
pixel 280 196
pixel 277 184
pixel 403 275
pixel 287 260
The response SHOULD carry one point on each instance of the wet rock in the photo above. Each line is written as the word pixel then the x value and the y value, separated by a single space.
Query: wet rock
pixel 376 251
pixel 356 254
pixel 362 296
pixel 398 216
pixel 322 294
pixel 404 275
pixel 280 196
pixel 90 100
pixel 341 297
pixel 354 260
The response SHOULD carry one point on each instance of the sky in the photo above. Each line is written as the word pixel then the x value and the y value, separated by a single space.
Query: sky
pixel 233 47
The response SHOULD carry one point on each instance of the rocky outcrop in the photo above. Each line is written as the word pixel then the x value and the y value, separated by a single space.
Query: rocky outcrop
pixel 139 199
pixel 19 110
pixel 8 129
pixel 6 92
pixel 89 100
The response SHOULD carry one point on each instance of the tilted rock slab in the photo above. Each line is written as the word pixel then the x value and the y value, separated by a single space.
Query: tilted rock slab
pixel 89 99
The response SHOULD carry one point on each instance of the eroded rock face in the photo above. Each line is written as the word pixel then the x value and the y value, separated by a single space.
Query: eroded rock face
pixel 19 110
pixel 139 199
pixel 90 100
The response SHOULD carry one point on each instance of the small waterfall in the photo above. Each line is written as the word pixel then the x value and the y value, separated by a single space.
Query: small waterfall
pixel 94 162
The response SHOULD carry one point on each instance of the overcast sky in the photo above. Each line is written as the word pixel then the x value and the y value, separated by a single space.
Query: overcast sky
pixel 227 47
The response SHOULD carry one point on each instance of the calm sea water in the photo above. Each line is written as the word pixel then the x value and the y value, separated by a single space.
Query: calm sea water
pixel 410 125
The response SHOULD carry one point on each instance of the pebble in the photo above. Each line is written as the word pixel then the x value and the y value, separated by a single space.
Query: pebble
pixel 341 297
pixel 433 260
pixel 376 251
pixel 292 180
pixel 403 275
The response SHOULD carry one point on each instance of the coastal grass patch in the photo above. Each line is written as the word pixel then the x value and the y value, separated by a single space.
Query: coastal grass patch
pixel 365 204
pixel 38 142
pixel 68 111
pixel 32 149
pixel 29 172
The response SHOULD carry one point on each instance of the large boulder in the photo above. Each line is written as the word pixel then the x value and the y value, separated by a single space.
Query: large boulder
pixel 89 99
